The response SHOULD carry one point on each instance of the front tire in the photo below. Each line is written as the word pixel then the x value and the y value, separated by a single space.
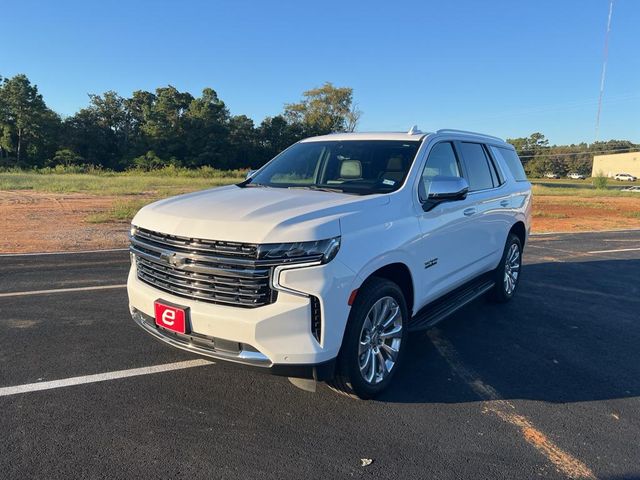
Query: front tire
pixel 374 340
pixel 507 274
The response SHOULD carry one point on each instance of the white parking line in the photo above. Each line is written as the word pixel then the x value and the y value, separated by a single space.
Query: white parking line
pixel 102 377
pixel 621 230
pixel 506 411
pixel 61 290
pixel 618 250
pixel 63 253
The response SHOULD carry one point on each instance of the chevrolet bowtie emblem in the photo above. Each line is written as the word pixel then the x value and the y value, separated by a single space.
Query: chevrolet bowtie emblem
pixel 173 258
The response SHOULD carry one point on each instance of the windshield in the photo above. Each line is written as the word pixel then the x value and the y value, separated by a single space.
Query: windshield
pixel 353 166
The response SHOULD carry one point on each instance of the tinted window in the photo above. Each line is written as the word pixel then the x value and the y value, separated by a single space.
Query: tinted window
pixel 353 166
pixel 441 161
pixel 477 166
pixel 512 162
pixel 496 176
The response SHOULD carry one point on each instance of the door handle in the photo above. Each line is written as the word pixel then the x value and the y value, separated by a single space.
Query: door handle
pixel 504 203
pixel 469 211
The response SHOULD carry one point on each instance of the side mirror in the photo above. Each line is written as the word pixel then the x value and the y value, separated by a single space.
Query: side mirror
pixel 250 174
pixel 445 189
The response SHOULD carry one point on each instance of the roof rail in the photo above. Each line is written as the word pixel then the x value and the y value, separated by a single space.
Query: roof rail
pixel 453 130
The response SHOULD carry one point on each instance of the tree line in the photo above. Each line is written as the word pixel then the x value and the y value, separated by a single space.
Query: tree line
pixel 154 129
pixel 540 158
pixel 151 130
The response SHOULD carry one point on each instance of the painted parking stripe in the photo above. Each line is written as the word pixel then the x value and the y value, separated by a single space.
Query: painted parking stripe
pixel 506 411
pixel 35 254
pixel 617 250
pixel 622 230
pixel 102 377
pixel 62 290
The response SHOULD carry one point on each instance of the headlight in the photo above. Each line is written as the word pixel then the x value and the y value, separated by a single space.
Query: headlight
pixel 323 250
pixel 133 230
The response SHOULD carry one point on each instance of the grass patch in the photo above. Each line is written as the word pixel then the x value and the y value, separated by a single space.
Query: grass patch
pixel 172 181
pixel 120 211
pixel 578 190
pixel 543 214
pixel 601 205
pixel 632 214
pixel 126 183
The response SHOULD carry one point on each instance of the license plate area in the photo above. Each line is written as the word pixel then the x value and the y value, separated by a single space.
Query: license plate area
pixel 171 316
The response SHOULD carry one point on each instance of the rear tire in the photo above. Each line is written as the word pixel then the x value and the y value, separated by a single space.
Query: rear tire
pixel 374 340
pixel 508 272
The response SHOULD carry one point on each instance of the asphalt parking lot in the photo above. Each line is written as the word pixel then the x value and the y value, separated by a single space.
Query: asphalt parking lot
pixel 547 386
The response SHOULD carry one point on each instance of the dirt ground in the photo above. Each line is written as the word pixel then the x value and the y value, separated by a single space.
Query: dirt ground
pixel 555 213
pixel 40 222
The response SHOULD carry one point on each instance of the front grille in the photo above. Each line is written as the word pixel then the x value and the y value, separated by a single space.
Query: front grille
pixel 226 273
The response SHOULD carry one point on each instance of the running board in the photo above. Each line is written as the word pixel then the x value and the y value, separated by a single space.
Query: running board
pixel 440 309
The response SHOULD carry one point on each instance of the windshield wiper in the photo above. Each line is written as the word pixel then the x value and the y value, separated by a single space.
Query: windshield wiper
pixel 319 189
pixel 248 183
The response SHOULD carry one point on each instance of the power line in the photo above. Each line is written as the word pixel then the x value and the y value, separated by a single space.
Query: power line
pixel 604 68
pixel 566 154
pixel 565 106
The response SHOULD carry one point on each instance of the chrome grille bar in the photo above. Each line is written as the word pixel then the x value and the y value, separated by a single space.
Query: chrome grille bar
pixel 194 266
pixel 225 273
pixel 193 244
pixel 200 287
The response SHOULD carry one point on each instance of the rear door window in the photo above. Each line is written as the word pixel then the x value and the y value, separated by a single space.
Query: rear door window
pixel 477 165
pixel 512 162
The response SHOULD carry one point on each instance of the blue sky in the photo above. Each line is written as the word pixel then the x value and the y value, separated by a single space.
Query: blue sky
pixel 504 67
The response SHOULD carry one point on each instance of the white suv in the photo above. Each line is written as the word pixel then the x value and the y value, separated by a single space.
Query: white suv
pixel 320 263
pixel 625 177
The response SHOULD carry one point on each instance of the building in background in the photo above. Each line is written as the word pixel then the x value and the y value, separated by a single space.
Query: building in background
pixel 611 165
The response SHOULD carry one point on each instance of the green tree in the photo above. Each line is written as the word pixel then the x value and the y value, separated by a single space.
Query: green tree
pixel 164 124
pixel 207 136
pixel 84 135
pixel 138 110
pixel 275 134
pixel 243 141
pixel 28 128
pixel 530 147
pixel 149 161
pixel 324 110
pixel 67 158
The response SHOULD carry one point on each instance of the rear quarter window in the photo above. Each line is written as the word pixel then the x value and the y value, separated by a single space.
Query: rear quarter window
pixel 512 162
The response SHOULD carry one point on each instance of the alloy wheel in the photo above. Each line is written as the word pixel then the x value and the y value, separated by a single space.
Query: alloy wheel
pixel 380 340
pixel 511 269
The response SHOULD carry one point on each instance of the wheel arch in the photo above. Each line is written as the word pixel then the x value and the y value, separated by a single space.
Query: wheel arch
pixel 400 274
pixel 520 231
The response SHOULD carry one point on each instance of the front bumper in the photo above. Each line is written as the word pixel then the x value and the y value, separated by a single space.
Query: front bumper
pixel 276 338
pixel 232 352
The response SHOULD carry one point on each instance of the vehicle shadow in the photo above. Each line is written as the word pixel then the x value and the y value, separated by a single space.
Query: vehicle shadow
pixel 571 334
pixel 564 184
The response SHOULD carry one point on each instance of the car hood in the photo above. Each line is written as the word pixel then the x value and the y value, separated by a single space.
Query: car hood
pixel 255 214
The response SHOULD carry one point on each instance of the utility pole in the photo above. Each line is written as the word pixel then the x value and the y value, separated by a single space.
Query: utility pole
pixel 604 69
